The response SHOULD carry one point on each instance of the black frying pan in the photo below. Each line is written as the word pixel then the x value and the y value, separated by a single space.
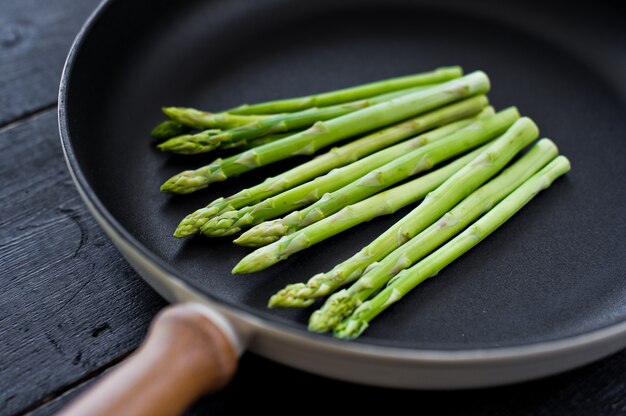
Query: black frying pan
pixel 542 294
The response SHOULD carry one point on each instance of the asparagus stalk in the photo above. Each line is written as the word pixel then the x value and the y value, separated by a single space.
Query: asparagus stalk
pixel 183 119
pixel 200 120
pixel 233 221
pixel 448 194
pixel 194 144
pixel 168 129
pixel 324 133
pixel 383 203
pixel 372 183
pixel 341 304
pixel 285 247
pixel 406 280
pixel 249 144
pixel 350 94
pixel 338 157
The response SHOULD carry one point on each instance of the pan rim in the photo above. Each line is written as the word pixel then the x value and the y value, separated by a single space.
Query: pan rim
pixel 610 338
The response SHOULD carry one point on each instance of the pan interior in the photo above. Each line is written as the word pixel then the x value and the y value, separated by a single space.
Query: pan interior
pixel 555 270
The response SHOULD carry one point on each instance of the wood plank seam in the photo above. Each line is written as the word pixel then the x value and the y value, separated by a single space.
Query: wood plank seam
pixel 71 386
pixel 24 118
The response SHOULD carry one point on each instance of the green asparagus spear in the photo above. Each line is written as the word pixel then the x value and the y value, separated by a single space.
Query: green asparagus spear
pixel 457 187
pixel 406 280
pixel 285 247
pixel 341 304
pixel 350 94
pixel 200 120
pixel 196 119
pixel 325 133
pixel 249 144
pixel 194 144
pixel 338 157
pixel 168 129
pixel 305 194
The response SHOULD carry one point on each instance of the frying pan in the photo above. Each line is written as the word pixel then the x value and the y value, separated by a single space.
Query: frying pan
pixel 541 295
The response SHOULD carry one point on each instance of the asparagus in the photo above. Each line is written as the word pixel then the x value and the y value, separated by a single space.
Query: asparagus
pixel 350 94
pixel 325 133
pixel 418 160
pixel 406 280
pixel 338 157
pixel 249 144
pixel 383 203
pixel 341 304
pixel 448 194
pixel 167 129
pixel 373 182
pixel 232 221
pixel 182 119
pixel 194 144
pixel 200 120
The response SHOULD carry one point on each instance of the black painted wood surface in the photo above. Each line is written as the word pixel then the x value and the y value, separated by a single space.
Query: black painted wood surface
pixel 71 307
pixel 34 38
pixel 69 303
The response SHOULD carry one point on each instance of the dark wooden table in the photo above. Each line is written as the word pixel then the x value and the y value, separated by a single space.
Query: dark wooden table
pixel 71 308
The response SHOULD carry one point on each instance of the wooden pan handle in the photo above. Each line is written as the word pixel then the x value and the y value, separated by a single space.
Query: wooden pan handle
pixel 183 356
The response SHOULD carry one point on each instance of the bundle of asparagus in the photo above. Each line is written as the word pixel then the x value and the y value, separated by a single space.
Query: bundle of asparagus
pixel 341 156
pixel 412 123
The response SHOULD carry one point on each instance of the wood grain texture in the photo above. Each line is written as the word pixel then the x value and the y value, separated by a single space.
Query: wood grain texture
pixel 35 36
pixel 69 303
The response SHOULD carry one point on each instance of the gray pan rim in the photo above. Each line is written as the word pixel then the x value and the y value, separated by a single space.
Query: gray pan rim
pixel 572 351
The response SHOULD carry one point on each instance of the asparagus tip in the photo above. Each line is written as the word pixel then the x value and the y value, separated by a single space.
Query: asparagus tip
pixel 167 129
pixel 184 231
pixel 183 183
pixel 262 234
pixel 283 299
pixel 350 329
pixel 171 112
pixel 256 261
pixel 245 267
pixel 192 223
pixel 189 144
pixel 337 308
pixel 222 225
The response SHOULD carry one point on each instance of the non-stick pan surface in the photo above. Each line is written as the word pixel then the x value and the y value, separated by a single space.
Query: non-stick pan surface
pixel 554 271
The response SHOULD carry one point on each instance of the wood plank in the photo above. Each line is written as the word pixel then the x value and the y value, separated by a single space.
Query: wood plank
pixel 596 389
pixel 69 303
pixel 35 36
